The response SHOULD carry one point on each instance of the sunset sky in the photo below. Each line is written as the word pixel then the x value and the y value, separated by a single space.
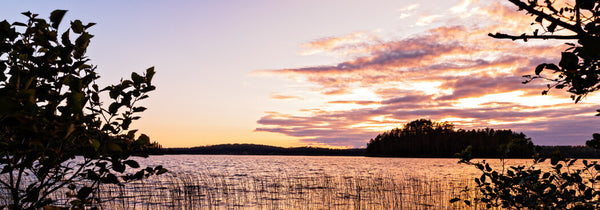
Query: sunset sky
pixel 325 73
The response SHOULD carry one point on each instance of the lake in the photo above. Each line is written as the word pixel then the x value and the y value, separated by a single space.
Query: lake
pixel 297 182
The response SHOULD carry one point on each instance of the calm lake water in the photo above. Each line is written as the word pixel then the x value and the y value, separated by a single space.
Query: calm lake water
pixel 249 165
pixel 295 182
pixel 301 182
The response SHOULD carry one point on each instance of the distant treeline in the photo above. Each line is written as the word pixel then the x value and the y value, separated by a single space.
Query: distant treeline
pixel 571 151
pixel 419 138
pixel 256 149
pixel 425 138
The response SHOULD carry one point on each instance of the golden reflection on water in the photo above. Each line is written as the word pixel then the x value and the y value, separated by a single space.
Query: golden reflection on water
pixel 298 182
pixel 331 165
pixel 311 182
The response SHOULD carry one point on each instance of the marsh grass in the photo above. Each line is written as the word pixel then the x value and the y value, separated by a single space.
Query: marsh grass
pixel 284 191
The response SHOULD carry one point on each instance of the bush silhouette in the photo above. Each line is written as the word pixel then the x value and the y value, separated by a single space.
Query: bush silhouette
pixel 565 186
pixel 51 111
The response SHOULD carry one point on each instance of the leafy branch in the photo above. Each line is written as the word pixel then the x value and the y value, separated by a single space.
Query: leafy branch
pixel 51 111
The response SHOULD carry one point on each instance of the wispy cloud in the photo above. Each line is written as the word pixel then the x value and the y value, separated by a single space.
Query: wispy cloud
pixel 463 6
pixel 409 8
pixel 408 11
pixel 451 72
pixel 280 96
pixel 354 43
pixel 427 19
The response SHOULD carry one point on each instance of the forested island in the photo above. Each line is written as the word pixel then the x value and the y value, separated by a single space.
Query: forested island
pixel 426 138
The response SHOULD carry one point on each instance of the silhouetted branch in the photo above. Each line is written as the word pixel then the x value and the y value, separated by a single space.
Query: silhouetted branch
pixel 525 37
pixel 531 9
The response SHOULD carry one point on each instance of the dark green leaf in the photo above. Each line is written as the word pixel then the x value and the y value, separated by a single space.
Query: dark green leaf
pixel 161 171
pixel 148 89
pixel 84 192
pixel 28 14
pixel 95 97
pixel 539 68
pixel 113 92
pixel 65 39
pixel 110 179
pixel 569 61
pixel 552 66
pixel 139 174
pixel 19 24
pixel 89 25
pixel 137 79
pixel 83 41
pixel 139 109
pixel 56 17
pixel 92 175
pixel 77 26
pixel 150 74
pixel 114 107
pixel 126 123
pixel 132 163
pixel 118 166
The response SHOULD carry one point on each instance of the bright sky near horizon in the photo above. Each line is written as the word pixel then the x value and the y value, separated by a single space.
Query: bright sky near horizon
pixel 324 73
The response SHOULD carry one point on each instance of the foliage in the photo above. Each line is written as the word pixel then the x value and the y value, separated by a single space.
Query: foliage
pixel 579 151
pixel 426 138
pixel 51 111
pixel 564 186
pixel 578 69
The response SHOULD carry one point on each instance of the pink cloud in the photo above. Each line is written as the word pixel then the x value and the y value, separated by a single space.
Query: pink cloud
pixel 354 43
pixel 284 97
pixel 426 75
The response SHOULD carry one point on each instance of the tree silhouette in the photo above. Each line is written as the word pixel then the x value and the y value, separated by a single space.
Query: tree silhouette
pixel 51 111
pixel 578 70
pixel 565 186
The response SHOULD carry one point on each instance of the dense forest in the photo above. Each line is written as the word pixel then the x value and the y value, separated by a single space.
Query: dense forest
pixel 571 151
pixel 426 138
pixel 256 149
